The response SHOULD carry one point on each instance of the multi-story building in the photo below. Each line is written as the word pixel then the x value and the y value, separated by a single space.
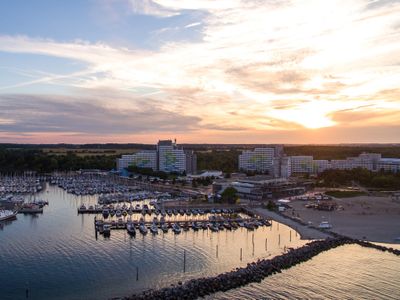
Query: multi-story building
pixel 167 158
pixel 191 162
pixel 320 165
pixel 142 159
pixel 258 160
pixel 170 158
pixel 389 165
pixel 301 164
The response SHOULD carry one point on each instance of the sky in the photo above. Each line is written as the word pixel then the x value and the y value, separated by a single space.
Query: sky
pixel 201 71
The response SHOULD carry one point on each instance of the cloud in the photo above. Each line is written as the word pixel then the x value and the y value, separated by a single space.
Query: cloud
pixel 259 65
pixel 33 114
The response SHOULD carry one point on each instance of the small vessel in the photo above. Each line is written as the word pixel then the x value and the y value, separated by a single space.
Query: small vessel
pixel 7 215
pixel 143 229
pixel 325 225
pixel 120 223
pixel 176 228
pixel 105 213
pixel 106 230
pixel 214 227
pixel 164 228
pixel 154 229
pixel 130 227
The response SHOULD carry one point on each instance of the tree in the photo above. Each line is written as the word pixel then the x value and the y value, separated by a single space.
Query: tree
pixel 229 195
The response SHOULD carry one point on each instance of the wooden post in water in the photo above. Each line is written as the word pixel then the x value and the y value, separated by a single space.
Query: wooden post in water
pixel 137 273
pixel 241 252
pixel 217 251
pixel 279 239
pixel 252 238
pixel 266 244
pixel 184 261
pixel 290 236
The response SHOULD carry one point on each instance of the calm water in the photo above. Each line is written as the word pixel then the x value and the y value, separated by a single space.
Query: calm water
pixel 57 255
pixel 350 272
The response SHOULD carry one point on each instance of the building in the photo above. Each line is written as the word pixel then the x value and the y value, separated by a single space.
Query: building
pixel 367 161
pixel 167 158
pixel 258 160
pixel 142 159
pixel 191 162
pixel 301 164
pixel 259 187
pixel 389 165
pixel 320 165
pixel 170 157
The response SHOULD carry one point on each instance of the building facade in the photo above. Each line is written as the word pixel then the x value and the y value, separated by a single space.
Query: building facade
pixel 170 158
pixel 167 158
pixel 258 160
pixel 142 159
pixel 301 164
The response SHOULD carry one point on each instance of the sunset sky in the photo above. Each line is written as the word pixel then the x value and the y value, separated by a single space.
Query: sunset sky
pixel 201 71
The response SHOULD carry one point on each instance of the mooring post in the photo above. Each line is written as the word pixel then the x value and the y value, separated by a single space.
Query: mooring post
pixel 241 254
pixel 137 273
pixel 290 236
pixel 266 244
pixel 279 239
pixel 217 251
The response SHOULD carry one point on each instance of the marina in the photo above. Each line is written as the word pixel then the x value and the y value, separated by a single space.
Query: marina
pixel 71 264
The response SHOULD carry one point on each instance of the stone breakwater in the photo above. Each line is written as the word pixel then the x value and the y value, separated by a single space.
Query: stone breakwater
pixel 253 272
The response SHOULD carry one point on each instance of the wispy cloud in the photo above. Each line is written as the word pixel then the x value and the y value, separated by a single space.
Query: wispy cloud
pixel 274 63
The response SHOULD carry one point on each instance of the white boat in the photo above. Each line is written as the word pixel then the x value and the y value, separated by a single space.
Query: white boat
pixel 176 228
pixel 142 229
pixel 7 215
pixel 154 229
pixel 325 225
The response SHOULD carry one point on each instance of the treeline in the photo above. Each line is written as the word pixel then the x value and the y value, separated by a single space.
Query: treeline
pixel 226 161
pixel 378 180
pixel 341 151
pixel 18 161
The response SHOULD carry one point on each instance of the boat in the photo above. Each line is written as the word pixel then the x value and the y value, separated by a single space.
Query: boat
pixel 105 213
pixel 324 225
pixel 130 227
pixel 106 230
pixel 7 215
pixel 143 229
pixel 214 227
pixel 120 223
pixel 154 229
pixel 164 228
pixel 176 228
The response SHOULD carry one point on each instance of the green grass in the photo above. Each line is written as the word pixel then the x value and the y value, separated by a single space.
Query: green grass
pixel 345 194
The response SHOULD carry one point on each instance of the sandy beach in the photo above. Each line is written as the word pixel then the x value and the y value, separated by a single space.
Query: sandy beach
pixel 372 218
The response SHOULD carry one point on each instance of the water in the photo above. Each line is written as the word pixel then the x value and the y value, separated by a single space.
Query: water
pixel 57 256
pixel 349 272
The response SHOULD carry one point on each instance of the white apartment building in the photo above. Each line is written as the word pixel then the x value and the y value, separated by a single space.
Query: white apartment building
pixel 301 164
pixel 389 165
pixel 259 160
pixel 170 158
pixel 142 159
pixel 320 165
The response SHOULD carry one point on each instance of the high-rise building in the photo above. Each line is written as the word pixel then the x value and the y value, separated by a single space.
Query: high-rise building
pixel 170 158
pixel 167 158
pixel 191 162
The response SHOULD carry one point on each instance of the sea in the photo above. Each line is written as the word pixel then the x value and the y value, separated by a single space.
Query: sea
pixel 57 255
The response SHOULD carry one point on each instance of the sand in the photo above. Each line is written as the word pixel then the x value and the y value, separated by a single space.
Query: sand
pixel 372 218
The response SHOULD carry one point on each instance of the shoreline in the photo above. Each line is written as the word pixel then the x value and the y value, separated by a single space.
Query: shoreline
pixel 305 232
pixel 371 218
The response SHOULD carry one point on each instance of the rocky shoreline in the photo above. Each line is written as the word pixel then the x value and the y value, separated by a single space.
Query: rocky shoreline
pixel 253 272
